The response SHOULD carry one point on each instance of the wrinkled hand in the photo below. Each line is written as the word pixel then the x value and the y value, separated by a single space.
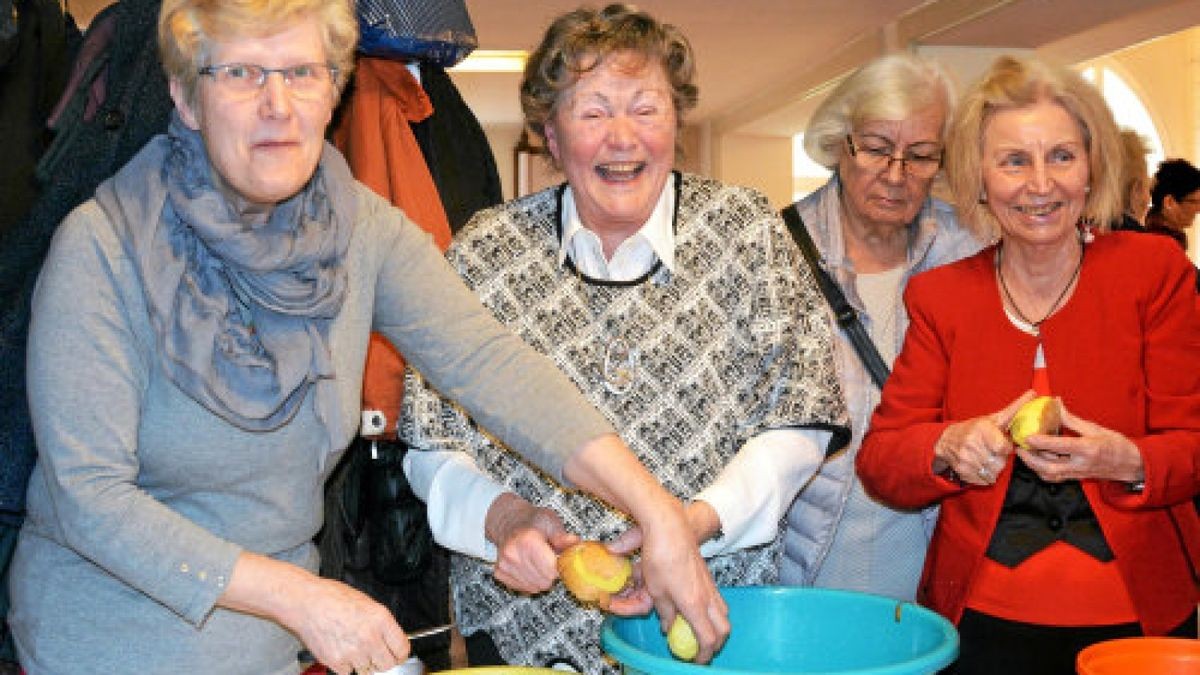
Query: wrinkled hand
pixel 346 630
pixel 528 540
pixel 678 580
pixel 1096 453
pixel 672 571
pixel 977 449
pixel 635 599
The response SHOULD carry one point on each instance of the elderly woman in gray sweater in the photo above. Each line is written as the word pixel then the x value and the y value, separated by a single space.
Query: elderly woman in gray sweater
pixel 195 368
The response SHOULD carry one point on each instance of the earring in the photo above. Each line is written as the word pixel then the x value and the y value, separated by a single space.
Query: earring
pixel 1087 189
pixel 982 196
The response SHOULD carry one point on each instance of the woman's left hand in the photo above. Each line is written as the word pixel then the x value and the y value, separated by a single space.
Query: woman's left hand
pixel 1096 453
pixel 675 576
pixel 635 599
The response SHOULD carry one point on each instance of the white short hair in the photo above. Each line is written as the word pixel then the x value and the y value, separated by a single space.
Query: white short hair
pixel 891 87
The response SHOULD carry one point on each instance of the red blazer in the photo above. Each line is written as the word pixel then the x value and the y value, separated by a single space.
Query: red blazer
pixel 1124 352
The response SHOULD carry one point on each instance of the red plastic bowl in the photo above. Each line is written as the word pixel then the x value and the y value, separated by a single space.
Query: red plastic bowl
pixel 1140 656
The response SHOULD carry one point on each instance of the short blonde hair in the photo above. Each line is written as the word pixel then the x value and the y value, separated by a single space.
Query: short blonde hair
pixel 187 28
pixel 580 40
pixel 892 87
pixel 1017 83
pixel 1134 168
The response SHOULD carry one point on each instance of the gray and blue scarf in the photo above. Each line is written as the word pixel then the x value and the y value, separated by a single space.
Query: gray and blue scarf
pixel 241 311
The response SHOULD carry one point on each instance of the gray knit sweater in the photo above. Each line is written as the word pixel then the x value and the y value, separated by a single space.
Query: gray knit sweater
pixel 142 499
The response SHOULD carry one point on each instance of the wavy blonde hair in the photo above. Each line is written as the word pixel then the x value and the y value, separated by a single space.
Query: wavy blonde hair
pixel 187 29
pixel 1135 171
pixel 1017 83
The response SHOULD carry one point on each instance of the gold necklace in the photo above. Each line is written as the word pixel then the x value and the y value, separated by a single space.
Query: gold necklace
pixel 1036 325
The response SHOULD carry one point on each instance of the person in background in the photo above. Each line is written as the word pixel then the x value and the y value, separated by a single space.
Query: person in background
pixel 195 370
pixel 1135 182
pixel 875 225
pixel 1045 548
pixel 1174 200
pixel 682 309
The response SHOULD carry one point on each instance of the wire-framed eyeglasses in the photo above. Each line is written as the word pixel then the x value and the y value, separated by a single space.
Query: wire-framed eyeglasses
pixel 919 162
pixel 304 80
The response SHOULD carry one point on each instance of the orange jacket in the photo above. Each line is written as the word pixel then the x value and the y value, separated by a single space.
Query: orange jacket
pixel 375 137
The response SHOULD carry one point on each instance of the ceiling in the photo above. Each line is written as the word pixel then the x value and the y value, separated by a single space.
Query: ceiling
pixel 763 63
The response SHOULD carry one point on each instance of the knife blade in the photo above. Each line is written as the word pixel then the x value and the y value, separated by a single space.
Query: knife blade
pixel 429 632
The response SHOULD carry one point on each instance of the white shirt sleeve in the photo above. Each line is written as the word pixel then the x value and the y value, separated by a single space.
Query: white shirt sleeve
pixel 457 495
pixel 756 488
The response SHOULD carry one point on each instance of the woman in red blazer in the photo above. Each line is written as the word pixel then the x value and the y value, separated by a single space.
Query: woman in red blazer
pixel 1082 537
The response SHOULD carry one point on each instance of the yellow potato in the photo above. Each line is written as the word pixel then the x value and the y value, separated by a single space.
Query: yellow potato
pixel 1042 415
pixel 681 639
pixel 592 574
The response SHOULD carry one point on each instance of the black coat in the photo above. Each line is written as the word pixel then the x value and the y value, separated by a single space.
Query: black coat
pixel 35 59
pixel 84 153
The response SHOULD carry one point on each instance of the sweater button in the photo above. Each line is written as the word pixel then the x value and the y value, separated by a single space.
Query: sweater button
pixel 1055 523
pixel 113 119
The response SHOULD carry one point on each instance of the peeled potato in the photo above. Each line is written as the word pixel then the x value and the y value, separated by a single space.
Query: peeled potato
pixel 1042 415
pixel 681 639
pixel 592 574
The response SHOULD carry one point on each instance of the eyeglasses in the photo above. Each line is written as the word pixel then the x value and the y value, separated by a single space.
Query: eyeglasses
pixel 305 80
pixel 879 158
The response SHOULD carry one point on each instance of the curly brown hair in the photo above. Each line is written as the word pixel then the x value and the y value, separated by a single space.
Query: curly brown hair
pixel 580 40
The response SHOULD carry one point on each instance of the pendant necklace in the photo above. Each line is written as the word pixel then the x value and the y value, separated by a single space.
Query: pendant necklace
pixel 621 361
pixel 620 365
pixel 1036 325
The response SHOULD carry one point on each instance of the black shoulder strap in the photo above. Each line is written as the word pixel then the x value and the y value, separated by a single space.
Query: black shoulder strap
pixel 847 318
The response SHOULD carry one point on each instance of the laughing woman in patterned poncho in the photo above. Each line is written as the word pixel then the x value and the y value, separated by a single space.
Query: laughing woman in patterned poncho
pixel 677 304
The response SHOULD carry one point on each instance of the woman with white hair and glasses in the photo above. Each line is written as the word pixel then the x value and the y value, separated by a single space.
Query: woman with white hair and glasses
pixel 195 371
pixel 874 225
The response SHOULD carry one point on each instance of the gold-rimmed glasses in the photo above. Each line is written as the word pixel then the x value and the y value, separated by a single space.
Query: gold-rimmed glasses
pixel 919 161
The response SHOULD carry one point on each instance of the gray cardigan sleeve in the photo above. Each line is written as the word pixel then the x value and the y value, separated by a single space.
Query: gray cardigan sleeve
pixel 88 372
pixel 439 325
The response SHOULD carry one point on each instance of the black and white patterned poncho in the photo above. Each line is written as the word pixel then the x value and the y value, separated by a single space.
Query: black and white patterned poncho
pixel 733 343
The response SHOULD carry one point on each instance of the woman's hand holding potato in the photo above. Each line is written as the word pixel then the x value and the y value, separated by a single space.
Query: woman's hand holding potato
pixel 593 574
pixel 1094 453
pixel 528 540
pixel 596 574
pixel 977 449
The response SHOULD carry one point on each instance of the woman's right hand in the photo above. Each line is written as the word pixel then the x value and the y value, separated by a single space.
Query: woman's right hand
pixel 343 628
pixel 977 449
pixel 678 580
pixel 528 540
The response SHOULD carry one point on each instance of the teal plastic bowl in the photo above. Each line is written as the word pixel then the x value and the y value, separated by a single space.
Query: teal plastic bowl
pixel 799 630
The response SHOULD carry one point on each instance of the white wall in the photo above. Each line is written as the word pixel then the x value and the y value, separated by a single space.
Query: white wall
pixel 760 162
pixel 503 140
pixel 1165 74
